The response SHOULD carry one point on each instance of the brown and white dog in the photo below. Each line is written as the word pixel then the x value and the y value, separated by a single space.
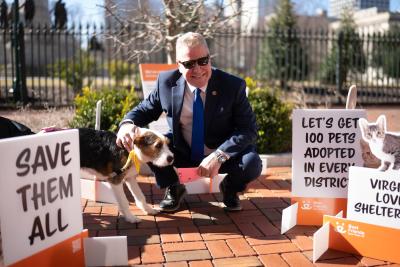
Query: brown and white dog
pixel 101 156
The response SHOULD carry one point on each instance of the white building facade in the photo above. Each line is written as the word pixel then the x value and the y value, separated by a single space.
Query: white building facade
pixel 371 20
pixel 336 7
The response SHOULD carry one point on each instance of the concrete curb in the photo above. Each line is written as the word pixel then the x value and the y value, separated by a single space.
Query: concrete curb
pixel 279 159
pixel 275 160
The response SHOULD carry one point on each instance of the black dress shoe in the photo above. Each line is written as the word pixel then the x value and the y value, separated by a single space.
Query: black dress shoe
pixel 173 197
pixel 230 198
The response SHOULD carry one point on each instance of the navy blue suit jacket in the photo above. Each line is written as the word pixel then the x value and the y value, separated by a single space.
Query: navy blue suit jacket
pixel 230 123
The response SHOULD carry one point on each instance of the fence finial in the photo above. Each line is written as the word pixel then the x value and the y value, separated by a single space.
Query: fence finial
pixel 351 97
pixel 98 115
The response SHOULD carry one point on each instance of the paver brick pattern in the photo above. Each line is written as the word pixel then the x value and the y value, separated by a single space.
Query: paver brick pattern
pixel 201 233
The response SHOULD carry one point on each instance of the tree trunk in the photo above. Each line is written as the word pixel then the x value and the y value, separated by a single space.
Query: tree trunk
pixel 171 54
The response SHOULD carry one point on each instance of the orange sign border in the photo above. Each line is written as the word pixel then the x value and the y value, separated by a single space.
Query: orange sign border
pixel 315 217
pixel 60 255
pixel 378 242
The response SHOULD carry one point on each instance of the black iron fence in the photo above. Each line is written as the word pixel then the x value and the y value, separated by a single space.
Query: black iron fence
pixel 320 65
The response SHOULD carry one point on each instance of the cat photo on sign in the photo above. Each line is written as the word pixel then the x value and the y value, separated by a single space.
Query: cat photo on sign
pixel 383 144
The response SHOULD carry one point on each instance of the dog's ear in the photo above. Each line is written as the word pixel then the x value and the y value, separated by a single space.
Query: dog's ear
pixel 145 139
pixel 138 140
pixel 137 131
pixel 166 140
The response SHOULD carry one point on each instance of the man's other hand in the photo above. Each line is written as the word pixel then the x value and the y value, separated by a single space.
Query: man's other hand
pixel 209 167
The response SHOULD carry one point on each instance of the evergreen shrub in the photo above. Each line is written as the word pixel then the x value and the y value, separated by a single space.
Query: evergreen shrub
pixel 273 117
pixel 115 104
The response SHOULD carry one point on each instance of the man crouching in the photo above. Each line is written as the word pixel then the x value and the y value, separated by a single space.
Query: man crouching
pixel 212 125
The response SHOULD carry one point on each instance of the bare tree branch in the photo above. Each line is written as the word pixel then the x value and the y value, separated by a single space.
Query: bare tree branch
pixel 144 32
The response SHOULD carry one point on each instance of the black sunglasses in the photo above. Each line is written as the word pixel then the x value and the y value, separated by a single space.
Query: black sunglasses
pixel 191 63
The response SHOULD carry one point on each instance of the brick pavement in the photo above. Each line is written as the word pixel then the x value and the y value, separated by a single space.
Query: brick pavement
pixel 202 234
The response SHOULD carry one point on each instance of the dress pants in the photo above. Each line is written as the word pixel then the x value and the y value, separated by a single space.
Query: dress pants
pixel 241 169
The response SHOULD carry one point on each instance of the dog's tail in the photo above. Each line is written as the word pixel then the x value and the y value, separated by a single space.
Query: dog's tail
pixel 118 176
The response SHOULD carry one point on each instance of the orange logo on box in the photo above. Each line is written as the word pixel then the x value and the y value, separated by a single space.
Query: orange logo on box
pixel 306 205
pixel 340 228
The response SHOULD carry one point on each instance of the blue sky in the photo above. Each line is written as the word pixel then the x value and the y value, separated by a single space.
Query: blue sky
pixel 78 10
pixel 89 10
pixel 85 10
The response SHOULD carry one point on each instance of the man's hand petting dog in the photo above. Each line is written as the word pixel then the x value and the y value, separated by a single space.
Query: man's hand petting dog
pixel 209 167
pixel 126 135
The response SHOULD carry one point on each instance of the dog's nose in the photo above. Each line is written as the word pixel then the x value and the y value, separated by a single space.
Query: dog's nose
pixel 170 159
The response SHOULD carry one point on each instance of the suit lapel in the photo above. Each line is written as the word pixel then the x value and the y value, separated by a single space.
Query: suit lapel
pixel 213 95
pixel 177 101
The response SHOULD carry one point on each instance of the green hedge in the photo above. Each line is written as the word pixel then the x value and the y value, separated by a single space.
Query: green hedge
pixel 273 119
pixel 115 104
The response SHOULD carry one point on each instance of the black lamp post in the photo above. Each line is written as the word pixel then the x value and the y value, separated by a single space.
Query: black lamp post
pixel 19 84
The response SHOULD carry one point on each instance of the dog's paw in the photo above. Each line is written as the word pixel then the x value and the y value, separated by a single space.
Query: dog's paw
pixel 131 218
pixel 147 209
pixel 151 211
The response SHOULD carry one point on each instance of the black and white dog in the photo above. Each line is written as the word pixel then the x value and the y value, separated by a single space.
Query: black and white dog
pixel 101 156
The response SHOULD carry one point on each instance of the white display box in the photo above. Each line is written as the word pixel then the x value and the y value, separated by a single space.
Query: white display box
pixel 202 185
pixel 98 191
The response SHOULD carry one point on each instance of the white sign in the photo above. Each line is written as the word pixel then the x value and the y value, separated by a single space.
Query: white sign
pixel 39 192
pixel 325 144
pixel 205 185
pixel 374 197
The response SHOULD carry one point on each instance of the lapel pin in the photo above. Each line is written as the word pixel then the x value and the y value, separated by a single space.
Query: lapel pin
pixel 214 93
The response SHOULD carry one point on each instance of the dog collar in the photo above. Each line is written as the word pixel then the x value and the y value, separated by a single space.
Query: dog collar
pixel 135 160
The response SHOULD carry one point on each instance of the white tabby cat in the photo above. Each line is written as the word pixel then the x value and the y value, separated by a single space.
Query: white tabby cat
pixel 384 145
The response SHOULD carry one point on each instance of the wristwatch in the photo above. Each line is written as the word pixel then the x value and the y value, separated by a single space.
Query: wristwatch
pixel 220 156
